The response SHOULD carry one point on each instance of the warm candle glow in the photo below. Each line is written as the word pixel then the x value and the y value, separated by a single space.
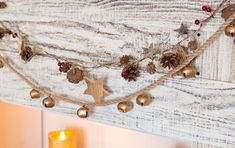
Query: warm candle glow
pixel 62 136
pixel 62 139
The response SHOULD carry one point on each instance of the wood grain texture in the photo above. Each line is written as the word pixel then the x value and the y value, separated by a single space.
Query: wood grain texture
pixel 197 110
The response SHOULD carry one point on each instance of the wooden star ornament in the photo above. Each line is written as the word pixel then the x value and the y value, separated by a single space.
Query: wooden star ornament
pixel 95 88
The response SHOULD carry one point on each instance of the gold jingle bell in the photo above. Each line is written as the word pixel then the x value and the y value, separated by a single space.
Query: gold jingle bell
pixel 143 100
pixel 124 106
pixel 34 94
pixel 83 112
pixel 48 102
pixel 230 30
pixel 189 71
pixel 1 64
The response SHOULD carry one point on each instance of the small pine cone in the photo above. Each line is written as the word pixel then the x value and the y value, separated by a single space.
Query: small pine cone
pixel 26 53
pixel 192 45
pixel 65 67
pixel 151 68
pixel 126 59
pixel 131 72
pixel 75 75
pixel 170 60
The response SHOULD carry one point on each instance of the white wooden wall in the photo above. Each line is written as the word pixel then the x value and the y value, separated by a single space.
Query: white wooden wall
pixel 200 110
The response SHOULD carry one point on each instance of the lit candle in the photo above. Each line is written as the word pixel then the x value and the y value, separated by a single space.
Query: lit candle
pixel 62 139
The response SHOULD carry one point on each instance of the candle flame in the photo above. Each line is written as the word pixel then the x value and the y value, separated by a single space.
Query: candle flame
pixel 62 136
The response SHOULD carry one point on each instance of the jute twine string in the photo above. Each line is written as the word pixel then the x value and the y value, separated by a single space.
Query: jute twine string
pixel 128 97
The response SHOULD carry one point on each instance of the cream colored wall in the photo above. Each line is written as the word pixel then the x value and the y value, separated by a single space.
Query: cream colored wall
pixel 20 127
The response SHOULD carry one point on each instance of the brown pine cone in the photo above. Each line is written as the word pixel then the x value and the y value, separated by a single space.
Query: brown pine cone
pixel 75 75
pixel 151 68
pixel 65 67
pixel 170 60
pixel 131 72
pixel 126 59
pixel 26 53
pixel 192 45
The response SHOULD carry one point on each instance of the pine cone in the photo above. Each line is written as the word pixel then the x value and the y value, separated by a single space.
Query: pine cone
pixel 192 45
pixel 170 60
pixel 65 67
pixel 151 68
pixel 75 75
pixel 26 53
pixel 131 72
pixel 126 59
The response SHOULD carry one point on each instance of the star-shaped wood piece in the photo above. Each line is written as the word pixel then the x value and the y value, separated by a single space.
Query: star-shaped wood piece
pixel 182 30
pixel 95 88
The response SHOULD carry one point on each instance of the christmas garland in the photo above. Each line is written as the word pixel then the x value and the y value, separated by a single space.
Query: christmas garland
pixel 179 62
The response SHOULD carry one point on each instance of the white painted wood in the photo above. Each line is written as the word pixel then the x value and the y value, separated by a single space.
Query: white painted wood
pixel 197 110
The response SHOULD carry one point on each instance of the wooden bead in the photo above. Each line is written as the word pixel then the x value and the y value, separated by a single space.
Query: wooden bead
pixel 83 112
pixel 34 94
pixel 1 64
pixel 189 71
pixel 48 102
pixel 124 106
pixel 230 30
pixel 143 99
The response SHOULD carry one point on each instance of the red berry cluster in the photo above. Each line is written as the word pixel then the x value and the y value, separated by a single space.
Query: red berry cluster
pixel 8 32
pixel 61 65
pixel 124 74
pixel 206 9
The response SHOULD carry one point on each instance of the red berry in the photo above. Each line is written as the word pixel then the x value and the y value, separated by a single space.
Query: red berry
pixel 60 64
pixel 204 8
pixel 208 9
pixel 124 74
pixel 197 22
pixel 14 35
pixel 7 31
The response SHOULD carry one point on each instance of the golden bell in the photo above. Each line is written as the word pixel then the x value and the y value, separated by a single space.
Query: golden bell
pixel 143 99
pixel 1 64
pixel 189 71
pixel 48 102
pixel 230 30
pixel 124 106
pixel 34 94
pixel 83 112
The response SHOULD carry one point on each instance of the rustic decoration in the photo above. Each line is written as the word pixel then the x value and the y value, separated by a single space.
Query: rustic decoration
pixel 64 66
pixel 151 68
pixel 131 72
pixel 1 64
pixel 75 75
pixel 26 53
pixel 230 30
pixel 183 30
pixel 126 59
pixel 95 88
pixel 170 60
pixel 48 102
pixel 143 100
pixel 124 106
pixel 189 71
pixel 192 45
pixel 83 112
pixel 3 5
pixel 35 94
pixel 228 11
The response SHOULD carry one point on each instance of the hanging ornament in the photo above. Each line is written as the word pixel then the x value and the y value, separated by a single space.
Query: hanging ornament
pixel 228 11
pixel 95 88
pixel 189 71
pixel 3 5
pixel 151 68
pixel 143 100
pixel 75 75
pixel 230 30
pixel 48 102
pixel 124 106
pixel 83 112
pixel 1 64
pixel 35 94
